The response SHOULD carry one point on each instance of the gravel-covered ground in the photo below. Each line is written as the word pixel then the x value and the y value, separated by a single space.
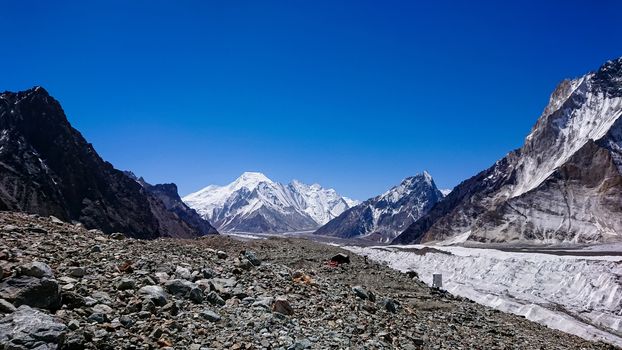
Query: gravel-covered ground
pixel 88 290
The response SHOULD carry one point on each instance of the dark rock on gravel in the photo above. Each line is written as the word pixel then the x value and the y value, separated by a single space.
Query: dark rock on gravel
pixel 28 328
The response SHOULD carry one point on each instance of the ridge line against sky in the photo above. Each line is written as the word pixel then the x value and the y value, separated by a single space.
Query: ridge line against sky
pixel 353 95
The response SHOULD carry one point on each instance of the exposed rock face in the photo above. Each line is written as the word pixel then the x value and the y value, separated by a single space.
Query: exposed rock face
pixel 563 185
pixel 384 217
pixel 48 168
pixel 254 203
pixel 169 196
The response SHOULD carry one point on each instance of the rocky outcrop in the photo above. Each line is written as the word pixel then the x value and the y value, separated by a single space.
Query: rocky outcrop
pixel 562 185
pixel 383 217
pixel 48 168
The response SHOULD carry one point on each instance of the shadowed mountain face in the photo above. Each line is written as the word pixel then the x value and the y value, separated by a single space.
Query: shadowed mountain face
pixel 48 168
pixel 563 185
pixel 383 217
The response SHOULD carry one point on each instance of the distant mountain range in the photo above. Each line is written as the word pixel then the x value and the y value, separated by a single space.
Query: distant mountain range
pixel 254 203
pixel 383 217
pixel 48 168
pixel 563 185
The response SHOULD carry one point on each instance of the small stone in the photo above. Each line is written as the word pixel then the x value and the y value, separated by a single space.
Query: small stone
pixel 183 273
pixel 282 306
pixel 6 307
pixel 154 293
pixel 214 299
pixel 126 321
pixel 97 318
pixel 251 257
pixel 360 292
pixel 96 249
pixel 126 284
pixel 210 315
pixel 300 345
pixel 221 254
pixel 117 236
pixel 102 308
pixel 73 325
pixel 36 269
pixel 56 220
pixel 196 295
pixel 77 272
pixel 390 305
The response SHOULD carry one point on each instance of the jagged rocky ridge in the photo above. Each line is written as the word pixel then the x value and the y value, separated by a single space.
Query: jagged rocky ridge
pixel 48 168
pixel 254 203
pixel 563 185
pixel 169 196
pixel 383 217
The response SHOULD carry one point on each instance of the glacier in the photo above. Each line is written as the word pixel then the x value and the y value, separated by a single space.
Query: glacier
pixel 577 291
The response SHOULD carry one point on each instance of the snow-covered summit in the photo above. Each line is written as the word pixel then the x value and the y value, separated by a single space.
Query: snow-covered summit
pixel 385 216
pixel 254 203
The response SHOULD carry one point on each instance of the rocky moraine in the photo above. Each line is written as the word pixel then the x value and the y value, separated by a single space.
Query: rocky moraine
pixel 64 287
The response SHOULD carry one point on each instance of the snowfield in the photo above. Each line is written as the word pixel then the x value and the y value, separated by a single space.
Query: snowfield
pixel 575 291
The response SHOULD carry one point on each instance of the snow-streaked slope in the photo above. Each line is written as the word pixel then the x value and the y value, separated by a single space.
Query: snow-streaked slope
pixel 581 295
pixel 383 217
pixel 563 185
pixel 254 203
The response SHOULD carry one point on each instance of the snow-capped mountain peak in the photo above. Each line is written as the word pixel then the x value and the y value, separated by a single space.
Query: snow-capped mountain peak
pixel 386 215
pixel 254 203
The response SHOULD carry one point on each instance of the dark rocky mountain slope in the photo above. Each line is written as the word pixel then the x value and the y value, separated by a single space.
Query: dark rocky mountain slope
pixel 48 168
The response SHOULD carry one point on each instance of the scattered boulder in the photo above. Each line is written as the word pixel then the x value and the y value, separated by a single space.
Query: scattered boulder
pixel 340 259
pixel 210 315
pixel 214 299
pixel 155 294
pixel 221 254
pixel 77 272
pixel 126 284
pixel 282 306
pixel 36 269
pixel 251 257
pixel 43 293
pixel 117 236
pixel 6 307
pixel 28 328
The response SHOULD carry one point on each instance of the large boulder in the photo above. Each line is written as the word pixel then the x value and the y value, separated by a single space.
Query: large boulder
pixel 27 328
pixel 44 293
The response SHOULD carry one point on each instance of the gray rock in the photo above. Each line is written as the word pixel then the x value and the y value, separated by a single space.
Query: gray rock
pixel 300 345
pixel 75 341
pixel 77 272
pixel 360 292
pixel 126 284
pixel 117 236
pixel 210 315
pixel 42 293
pixel 102 308
pixel 214 299
pixel 98 317
pixel 155 294
pixel 56 220
pixel 96 249
pixel 221 254
pixel 183 273
pixel 252 258
pixel 282 306
pixel 6 307
pixel 28 328
pixel 179 286
pixel 36 269
pixel 196 295
pixel 390 305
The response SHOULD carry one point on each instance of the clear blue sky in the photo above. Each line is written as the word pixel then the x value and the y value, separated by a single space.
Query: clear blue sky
pixel 354 95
